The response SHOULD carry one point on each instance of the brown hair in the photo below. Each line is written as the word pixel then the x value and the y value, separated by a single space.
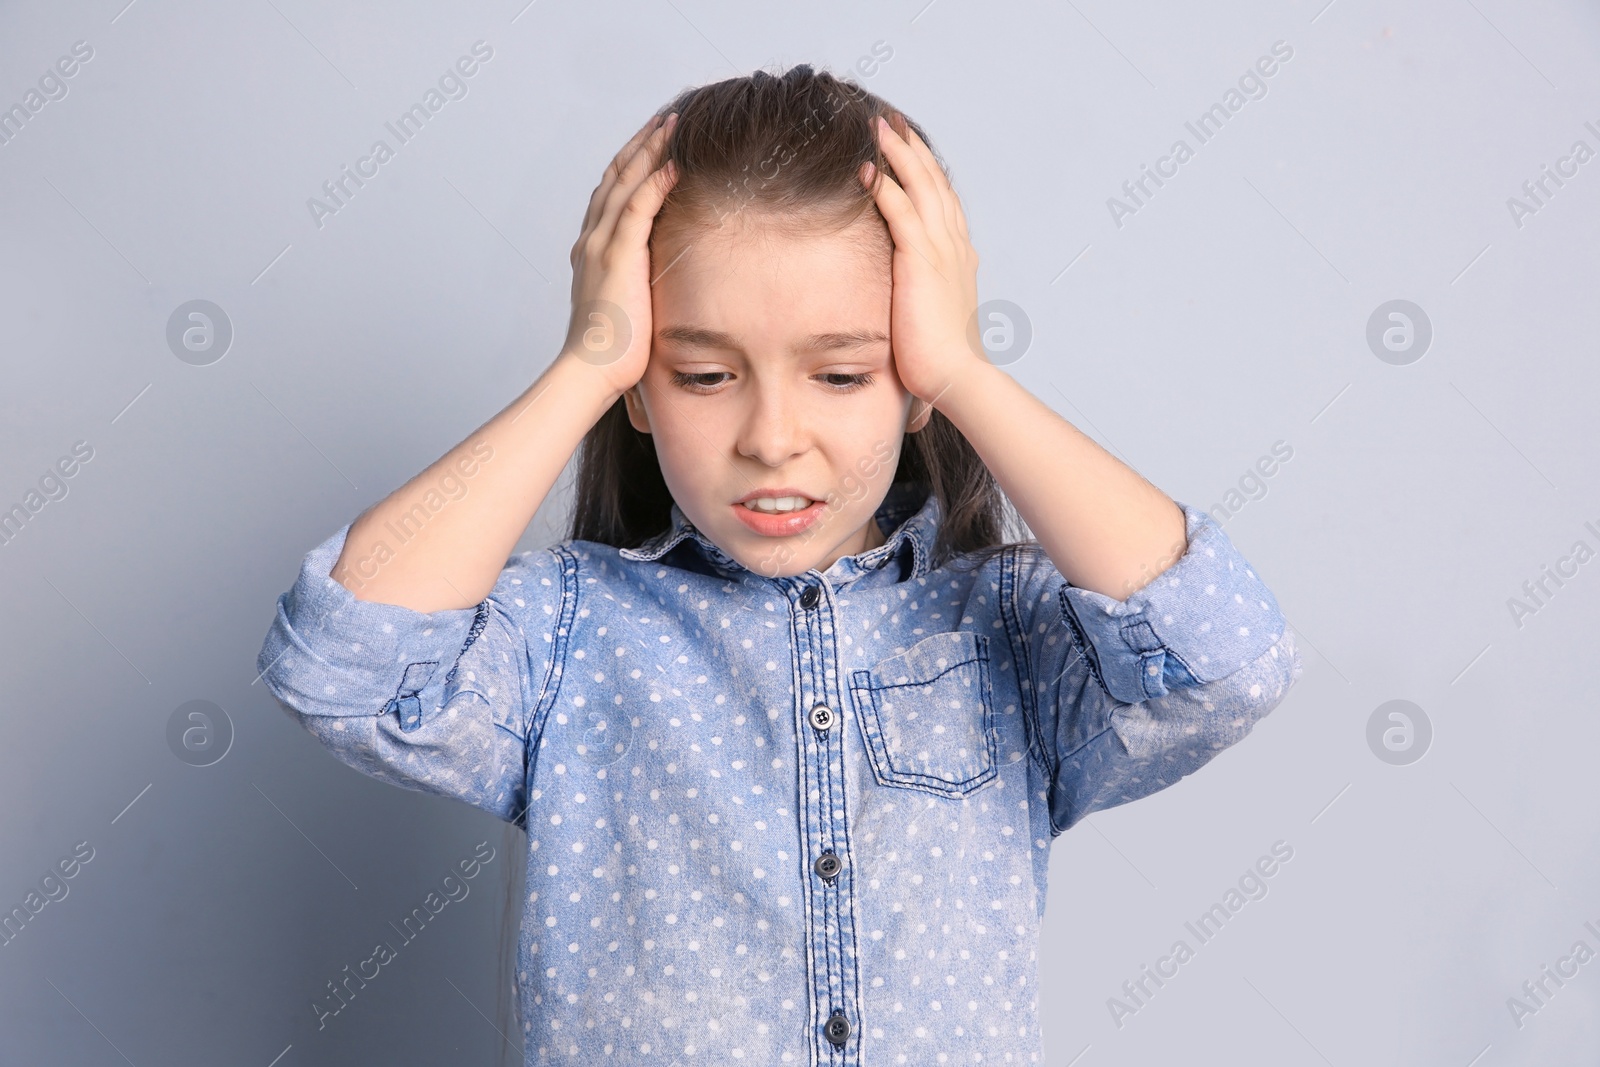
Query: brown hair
pixel 788 147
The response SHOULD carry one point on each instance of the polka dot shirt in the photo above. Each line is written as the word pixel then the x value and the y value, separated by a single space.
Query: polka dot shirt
pixel 787 820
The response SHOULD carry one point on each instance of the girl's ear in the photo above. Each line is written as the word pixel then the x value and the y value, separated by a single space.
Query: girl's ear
pixel 634 398
pixel 921 412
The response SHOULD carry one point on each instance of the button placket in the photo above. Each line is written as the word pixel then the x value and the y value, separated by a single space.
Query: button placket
pixel 827 884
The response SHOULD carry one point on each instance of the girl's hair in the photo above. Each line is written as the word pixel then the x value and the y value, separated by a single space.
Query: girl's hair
pixel 789 149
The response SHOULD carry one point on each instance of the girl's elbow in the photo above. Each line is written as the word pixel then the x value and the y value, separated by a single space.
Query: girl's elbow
pixel 1253 691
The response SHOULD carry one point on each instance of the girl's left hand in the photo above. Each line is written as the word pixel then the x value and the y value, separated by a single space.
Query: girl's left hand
pixel 933 323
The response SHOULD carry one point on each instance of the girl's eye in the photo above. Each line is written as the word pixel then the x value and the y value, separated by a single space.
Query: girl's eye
pixel 847 382
pixel 702 381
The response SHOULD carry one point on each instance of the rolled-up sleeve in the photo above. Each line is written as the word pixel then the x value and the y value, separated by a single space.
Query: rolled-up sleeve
pixel 1201 619
pixel 1133 695
pixel 440 701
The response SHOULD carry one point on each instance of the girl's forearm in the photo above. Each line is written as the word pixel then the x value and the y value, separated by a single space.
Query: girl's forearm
pixel 441 540
pixel 1103 526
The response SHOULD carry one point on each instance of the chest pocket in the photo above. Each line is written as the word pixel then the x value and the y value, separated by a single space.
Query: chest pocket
pixel 927 715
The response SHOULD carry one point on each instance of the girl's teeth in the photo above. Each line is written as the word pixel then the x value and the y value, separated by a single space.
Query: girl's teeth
pixel 774 504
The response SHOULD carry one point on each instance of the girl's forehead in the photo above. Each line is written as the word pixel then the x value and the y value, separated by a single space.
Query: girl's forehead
pixel 755 288
pixel 732 270
pixel 752 235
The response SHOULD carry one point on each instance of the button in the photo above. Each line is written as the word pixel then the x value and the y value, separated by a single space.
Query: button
pixel 837 1029
pixel 827 866
pixel 810 596
pixel 822 717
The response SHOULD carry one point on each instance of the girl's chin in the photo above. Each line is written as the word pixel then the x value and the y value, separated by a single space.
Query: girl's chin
pixel 778 557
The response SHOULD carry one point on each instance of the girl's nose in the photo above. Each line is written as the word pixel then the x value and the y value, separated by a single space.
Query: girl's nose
pixel 772 432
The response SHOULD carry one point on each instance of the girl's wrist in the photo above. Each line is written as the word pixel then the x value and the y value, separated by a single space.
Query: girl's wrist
pixel 574 375
pixel 977 397
pixel 962 371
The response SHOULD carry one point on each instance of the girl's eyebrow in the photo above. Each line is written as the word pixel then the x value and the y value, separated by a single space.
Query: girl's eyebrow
pixel 823 342
pixel 702 337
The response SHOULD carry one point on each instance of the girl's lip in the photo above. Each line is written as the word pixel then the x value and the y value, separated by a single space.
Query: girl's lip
pixel 785 524
pixel 757 494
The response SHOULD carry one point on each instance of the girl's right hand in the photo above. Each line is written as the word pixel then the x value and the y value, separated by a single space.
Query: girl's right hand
pixel 610 327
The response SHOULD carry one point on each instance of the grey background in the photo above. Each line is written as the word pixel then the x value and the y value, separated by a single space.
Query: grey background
pixel 1228 314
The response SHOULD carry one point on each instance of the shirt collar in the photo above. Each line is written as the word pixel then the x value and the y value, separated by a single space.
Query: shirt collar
pixel 909 517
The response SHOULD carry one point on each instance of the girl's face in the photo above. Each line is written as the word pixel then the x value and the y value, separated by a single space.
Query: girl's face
pixel 771 390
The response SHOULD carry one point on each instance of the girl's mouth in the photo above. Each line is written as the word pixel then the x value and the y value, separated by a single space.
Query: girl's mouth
pixel 778 504
pixel 781 513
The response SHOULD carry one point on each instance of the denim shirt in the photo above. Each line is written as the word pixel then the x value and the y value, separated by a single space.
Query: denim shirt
pixel 795 820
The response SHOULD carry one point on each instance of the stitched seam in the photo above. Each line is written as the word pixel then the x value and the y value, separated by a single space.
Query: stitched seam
pixel 1091 659
pixel 932 780
pixel 980 651
pixel 1199 679
pixel 413 690
pixel 991 733
pixel 547 693
pixel 832 805
pixel 815 907
pixel 944 794
pixel 479 620
pixel 1022 659
pixel 405 692
pixel 1139 626
pixel 1081 638
pixel 867 709
pixel 1146 679
pixel 927 681
pixel 565 616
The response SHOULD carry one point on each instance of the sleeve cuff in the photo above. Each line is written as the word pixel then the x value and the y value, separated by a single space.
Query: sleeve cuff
pixel 330 653
pixel 1201 619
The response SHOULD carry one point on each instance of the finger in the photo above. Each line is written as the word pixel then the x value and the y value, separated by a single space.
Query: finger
pixel 918 183
pixel 924 153
pixel 905 222
pixel 947 193
pixel 637 169
pixel 961 219
pixel 613 170
pixel 619 161
pixel 608 179
pixel 639 213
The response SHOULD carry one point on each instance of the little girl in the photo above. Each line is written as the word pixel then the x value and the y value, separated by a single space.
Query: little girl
pixel 791 725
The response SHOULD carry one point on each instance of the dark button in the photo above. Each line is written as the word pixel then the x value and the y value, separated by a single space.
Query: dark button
pixel 822 717
pixel 837 1029
pixel 809 597
pixel 827 866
